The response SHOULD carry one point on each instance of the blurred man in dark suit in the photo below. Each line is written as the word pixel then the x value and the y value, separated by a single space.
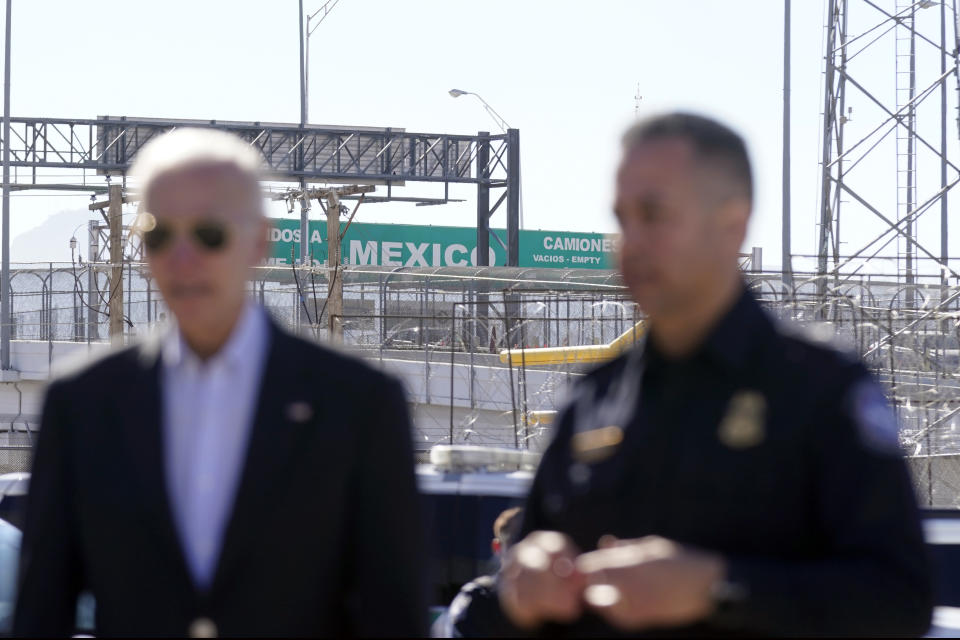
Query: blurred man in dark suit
pixel 225 477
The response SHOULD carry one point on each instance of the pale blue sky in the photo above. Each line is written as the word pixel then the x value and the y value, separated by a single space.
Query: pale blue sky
pixel 564 73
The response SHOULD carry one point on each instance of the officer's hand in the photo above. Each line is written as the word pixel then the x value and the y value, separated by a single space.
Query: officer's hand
pixel 649 582
pixel 539 581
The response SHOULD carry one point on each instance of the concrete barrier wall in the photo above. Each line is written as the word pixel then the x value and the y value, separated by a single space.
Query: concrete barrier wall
pixel 483 412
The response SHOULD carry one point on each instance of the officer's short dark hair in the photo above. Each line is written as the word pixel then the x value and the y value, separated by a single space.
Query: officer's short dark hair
pixel 507 526
pixel 713 143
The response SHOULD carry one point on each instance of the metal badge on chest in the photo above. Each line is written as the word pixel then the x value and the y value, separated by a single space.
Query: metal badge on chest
pixel 744 424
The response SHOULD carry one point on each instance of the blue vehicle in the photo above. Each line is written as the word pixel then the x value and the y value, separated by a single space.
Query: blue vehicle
pixel 10 538
pixel 13 493
pixel 464 489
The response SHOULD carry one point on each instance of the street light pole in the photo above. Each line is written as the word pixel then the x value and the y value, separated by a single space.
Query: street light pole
pixel 326 9
pixel 303 77
pixel 5 226
pixel 304 101
pixel 785 250
pixel 456 93
pixel 514 191
pixel 504 127
pixel 305 202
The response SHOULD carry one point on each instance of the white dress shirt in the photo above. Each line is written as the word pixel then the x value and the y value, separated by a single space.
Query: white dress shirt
pixel 208 413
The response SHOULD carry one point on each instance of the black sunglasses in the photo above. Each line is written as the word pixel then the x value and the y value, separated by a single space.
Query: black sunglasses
pixel 208 235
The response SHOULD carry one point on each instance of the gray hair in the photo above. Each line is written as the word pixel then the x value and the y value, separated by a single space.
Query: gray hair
pixel 197 147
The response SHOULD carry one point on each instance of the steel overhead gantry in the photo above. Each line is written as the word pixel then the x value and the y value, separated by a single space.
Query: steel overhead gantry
pixel 913 30
pixel 106 146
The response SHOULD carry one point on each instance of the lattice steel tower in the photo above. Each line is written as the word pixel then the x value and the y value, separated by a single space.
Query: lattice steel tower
pixel 896 62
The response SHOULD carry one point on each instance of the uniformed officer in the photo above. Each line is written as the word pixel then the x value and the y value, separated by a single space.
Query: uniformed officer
pixel 473 612
pixel 727 476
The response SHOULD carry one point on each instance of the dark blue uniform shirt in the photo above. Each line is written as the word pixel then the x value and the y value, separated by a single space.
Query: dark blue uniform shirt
pixel 774 450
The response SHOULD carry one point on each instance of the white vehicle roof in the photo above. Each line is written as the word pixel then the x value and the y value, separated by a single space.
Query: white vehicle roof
pixel 478 471
pixel 14 484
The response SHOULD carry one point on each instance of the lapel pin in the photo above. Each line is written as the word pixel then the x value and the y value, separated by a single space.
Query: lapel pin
pixel 299 411
pixel 743 425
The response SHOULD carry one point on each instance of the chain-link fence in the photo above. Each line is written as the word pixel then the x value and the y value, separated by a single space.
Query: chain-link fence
pixel 16 451
pixel 443 330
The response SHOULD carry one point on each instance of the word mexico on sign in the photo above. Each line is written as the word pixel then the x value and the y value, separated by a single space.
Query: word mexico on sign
pixel 403 245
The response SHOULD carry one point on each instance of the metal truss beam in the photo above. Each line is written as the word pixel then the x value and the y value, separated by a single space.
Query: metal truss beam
pixel 107 145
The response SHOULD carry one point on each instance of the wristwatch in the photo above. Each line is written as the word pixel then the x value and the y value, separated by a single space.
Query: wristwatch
pixel 726 594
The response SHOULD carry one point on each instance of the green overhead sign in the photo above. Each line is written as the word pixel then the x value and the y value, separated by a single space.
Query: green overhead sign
pixel 402 245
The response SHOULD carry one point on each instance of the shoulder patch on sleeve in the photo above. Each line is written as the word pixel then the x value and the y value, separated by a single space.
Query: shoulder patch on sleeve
pixel 873 417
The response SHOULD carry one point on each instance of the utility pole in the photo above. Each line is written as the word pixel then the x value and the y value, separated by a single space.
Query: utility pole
pixel 115 216
pixel 93 305
pixel 332 195
pixel 335 289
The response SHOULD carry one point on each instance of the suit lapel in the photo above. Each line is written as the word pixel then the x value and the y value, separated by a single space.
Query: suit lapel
pixel 144 440
pixel 281 419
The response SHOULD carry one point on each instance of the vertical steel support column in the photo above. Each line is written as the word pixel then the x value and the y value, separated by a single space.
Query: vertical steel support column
pixel 47 313
pixel 841 120
pixel 785 258
pixel 513 197
pixel 5 318
pixel 955 12
pixel 829 117
pixel 911 278
pixel 482 327
pixel 129 291
pixel 511 301
pixel 115 215
pixel 944 221
pixel 483 199
pixel 93 251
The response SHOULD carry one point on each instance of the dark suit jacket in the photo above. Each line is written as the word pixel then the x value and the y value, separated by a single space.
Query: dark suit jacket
pixel 325 535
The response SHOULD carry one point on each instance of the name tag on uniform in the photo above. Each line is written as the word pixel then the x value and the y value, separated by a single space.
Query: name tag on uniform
pixel 744 424
pixel 597 417
pixel 596 444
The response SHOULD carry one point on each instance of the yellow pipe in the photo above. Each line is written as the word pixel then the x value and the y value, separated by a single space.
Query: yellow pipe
pixel 536 418
pixel 573 355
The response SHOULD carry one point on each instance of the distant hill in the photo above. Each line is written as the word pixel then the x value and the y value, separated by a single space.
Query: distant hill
pixel 50 241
